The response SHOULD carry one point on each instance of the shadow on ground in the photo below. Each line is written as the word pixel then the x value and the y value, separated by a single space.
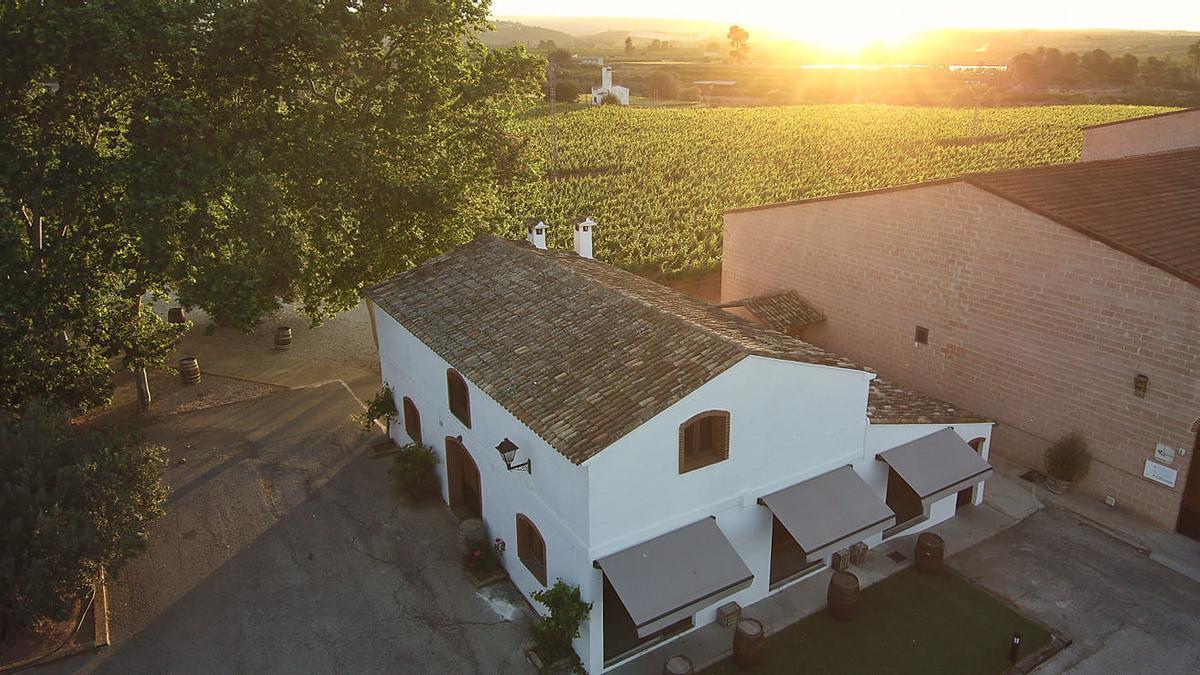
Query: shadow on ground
pixel 286 549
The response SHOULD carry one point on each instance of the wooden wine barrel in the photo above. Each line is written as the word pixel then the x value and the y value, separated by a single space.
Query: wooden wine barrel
pixel 843 596
pixel 175 315
pixel 678 665
pixel 930 551
pixel 283 338
pixel 748 641
pixel 471 530
pixel 189 370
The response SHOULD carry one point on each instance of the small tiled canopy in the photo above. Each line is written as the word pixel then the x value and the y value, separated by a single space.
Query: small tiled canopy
pixel 782 311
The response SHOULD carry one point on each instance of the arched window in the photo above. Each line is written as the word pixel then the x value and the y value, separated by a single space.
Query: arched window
pixel 412 421
pixel 977 444
pixel 703 440
pixel 531 548
pixel 460 401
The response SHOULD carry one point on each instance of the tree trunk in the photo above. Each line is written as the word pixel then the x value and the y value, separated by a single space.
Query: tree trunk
pixel 143 385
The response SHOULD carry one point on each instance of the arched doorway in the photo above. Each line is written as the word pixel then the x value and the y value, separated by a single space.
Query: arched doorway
pixel 1189 509
pixel 965 494
pixel 466 493
pixel 412 421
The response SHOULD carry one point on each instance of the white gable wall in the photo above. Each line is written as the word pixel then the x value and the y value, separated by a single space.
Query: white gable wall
pixel 554 496
pixel 788 422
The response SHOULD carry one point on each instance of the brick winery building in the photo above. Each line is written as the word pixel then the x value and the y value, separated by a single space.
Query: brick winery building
pixel 1052 299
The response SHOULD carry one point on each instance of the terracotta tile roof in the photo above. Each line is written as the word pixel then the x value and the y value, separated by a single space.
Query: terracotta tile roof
pixel 578 350
pixel 1147 206
pixel 888 403
pixel 780 311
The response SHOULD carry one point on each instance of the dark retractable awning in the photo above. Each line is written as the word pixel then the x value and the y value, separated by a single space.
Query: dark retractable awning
pixel 830 512
pixel 937 465
pixel 675 575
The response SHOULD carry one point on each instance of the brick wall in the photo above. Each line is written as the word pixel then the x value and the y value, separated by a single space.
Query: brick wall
pixel 1143 136
pixel 1030 323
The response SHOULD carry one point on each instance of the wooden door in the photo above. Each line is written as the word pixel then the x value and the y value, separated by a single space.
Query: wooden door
pixel 466 493
pixel 1189 510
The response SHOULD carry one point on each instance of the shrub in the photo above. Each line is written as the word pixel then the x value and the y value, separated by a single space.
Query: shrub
pixel 482 558
pixel 553 634
pixel 381 406
pixel 610 99
pixel 414 469
pixel 1068 458
pixel 567 91
pixel 690 94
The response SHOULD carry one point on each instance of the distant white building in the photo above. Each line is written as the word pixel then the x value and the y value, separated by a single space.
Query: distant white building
pixel 592 60
pixel 606 87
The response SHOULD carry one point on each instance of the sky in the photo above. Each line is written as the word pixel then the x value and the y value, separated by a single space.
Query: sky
pixel 882 19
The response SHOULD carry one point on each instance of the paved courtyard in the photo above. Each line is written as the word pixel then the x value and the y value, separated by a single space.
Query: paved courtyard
pixel 286 549
pixel 1124 612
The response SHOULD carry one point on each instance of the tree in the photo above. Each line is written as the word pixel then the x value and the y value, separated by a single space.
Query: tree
pixel 567 91
pixel 739 38
pixel 664 84
pixel 559 57
pixel 75 503
pixel 1097 63
pixel 1193 55
pixel 546 45
pixel 145 150
pixel 629 45
pixel 656 45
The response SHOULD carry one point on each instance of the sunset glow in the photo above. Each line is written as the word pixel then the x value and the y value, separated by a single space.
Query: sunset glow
pixel 853 24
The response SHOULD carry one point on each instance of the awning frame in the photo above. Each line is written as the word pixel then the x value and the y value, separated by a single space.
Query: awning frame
pixel 929 497
pixel 876 525
pixel 666 617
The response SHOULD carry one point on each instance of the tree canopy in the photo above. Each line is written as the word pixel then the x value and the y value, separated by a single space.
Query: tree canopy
pixel 73 503
pixel 238 155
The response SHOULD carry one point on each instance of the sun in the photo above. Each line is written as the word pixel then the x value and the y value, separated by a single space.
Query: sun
pixel 838 29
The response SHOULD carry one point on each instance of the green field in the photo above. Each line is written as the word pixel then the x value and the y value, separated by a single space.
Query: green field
pixel 658 180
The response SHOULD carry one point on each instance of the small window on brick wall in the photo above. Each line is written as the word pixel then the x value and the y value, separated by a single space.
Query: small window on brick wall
pixel 922 335
pixel 703 440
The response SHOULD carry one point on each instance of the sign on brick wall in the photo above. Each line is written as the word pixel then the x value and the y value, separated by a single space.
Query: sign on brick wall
pixel 1160 474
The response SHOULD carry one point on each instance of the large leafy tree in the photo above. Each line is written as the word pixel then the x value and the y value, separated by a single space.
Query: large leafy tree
pixel 238 154
pixel 73 503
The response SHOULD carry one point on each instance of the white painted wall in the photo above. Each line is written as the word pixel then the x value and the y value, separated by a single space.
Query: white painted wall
pixel 554 496
pixel 788 422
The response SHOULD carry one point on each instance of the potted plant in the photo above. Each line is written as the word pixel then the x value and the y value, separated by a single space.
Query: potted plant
pixel 482 561
pixel 552 635
pixel 414 468
pixel 1067 460
pixel 381 406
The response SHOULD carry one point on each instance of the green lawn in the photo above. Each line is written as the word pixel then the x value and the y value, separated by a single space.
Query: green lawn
pixel 908 623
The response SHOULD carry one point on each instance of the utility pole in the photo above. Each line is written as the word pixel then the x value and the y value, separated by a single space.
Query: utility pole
pixel 550 76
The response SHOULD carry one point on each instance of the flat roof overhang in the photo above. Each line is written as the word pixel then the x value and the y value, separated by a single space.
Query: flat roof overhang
pixel 675 575
pixel 937 465
pixel 830 512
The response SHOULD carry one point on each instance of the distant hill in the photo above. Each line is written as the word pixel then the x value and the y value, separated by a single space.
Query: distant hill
pixel 508 33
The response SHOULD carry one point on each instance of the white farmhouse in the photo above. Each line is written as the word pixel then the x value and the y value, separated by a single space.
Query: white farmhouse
pixel 666 456
pixel 606 87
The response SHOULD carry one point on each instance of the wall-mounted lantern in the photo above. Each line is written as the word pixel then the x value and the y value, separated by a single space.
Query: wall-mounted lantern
pixel 1139 385
pixel 508 452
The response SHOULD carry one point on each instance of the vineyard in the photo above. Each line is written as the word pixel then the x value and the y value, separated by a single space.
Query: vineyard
pixel 658 180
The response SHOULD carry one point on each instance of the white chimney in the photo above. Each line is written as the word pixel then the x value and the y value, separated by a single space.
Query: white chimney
pixel 583 236
pixel 536 229
pixel 606 78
